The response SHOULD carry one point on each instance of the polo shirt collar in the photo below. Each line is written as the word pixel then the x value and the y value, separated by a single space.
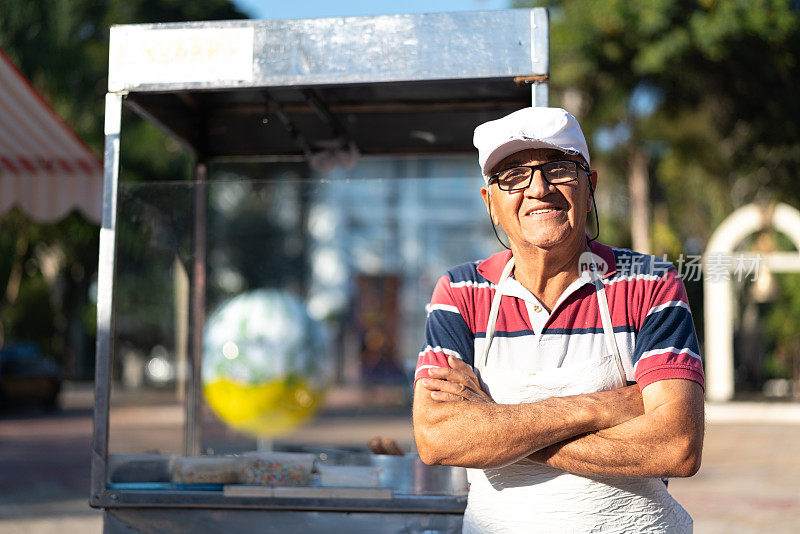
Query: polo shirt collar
pixel 492 267
pixel 606 253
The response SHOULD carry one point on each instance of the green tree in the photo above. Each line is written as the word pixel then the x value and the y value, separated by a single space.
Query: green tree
pixel 784 346
pixel 708 88
pixel 62 47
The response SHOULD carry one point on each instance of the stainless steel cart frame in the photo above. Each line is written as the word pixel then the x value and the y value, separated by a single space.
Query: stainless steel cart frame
pixel 282 89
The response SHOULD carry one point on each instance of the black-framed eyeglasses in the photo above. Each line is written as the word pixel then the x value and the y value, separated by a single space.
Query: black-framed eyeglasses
pixel 553 172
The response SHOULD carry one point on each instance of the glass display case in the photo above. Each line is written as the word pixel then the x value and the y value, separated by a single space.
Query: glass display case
pixel 259 323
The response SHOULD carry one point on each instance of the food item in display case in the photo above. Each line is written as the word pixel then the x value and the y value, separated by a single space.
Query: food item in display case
pixel 206 470
pixel 387 446
pixel 276 469
pixel 265 362
pixel 252 468
pixel 258 471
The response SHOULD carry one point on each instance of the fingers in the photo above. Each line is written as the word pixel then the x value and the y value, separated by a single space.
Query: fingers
pixel 456 377
pixel 458 372
pixel 455 383
pixel 448 390
pixel 464 369
pixel 621 405
pixel 460 365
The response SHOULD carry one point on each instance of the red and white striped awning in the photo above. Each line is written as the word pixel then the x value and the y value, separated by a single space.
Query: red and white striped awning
pixel 44 167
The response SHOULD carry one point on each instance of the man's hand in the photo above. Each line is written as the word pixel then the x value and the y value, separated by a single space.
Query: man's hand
pixel 623 404
pixel 456 383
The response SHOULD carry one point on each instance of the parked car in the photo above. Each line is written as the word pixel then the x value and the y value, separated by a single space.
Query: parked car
pixel 27 375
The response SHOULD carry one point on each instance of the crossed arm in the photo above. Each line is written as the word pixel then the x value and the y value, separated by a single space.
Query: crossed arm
pixel 658 433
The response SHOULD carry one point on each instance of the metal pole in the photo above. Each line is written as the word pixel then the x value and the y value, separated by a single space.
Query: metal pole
pixel 181 307
pixel 105 299
pixel 539 94
pixel 194 397
pixel 540 55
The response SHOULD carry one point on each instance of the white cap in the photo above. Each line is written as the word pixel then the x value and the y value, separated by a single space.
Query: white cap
pixel 528 128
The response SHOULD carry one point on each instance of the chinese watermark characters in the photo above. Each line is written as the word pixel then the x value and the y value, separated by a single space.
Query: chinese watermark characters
pixel 717 267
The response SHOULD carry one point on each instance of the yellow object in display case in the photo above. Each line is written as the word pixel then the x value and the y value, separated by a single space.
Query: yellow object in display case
pixel 265 362
pixel 271 408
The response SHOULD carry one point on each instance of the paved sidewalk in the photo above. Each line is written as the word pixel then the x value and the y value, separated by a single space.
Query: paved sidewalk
pixel 749 481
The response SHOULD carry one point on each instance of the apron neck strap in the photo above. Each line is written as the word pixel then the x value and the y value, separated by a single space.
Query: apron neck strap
pixel 605 317
pixel 495 309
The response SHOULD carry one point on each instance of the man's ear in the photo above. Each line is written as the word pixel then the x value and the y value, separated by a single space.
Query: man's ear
pixel 593 180
pixel 486 194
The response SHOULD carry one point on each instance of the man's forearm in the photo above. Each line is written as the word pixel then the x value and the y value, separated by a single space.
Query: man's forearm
pixel 665 442
pixel 486 435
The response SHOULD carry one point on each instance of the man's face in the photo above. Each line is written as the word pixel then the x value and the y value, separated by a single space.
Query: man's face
pixel 543 215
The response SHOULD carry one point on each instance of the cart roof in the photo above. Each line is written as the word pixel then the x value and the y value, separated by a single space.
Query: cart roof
pixel 388 84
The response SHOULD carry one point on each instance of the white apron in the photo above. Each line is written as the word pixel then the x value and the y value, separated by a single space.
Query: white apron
pixel 530 497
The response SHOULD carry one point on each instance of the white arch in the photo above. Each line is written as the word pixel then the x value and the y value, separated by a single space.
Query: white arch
pixel 718 297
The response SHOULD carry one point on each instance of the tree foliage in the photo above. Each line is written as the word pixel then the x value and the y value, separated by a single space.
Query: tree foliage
pixel 62 47
pixel 711 86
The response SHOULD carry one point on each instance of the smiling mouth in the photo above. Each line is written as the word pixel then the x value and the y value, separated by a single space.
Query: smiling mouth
pixel 542 211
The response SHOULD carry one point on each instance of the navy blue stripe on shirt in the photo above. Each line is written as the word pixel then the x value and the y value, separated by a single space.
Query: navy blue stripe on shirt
pixel 466 272
pixel 670 327
pixel 448 329
pixel 503 333
pixel 594 330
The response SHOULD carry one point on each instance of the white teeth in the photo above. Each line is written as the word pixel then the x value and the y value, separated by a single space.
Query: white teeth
pixel 536 212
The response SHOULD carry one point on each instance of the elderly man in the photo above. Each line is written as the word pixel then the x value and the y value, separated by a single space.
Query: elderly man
pixel 529 353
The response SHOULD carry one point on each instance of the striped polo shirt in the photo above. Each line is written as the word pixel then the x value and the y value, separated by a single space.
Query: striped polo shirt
pixel 649 311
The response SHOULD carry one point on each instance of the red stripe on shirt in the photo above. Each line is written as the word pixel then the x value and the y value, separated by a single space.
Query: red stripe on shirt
pixel 668 365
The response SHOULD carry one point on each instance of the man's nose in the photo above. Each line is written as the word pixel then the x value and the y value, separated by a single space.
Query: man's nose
pixel 538 187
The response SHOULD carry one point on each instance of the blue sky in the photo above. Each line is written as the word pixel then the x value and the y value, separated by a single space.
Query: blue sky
pixel 297 9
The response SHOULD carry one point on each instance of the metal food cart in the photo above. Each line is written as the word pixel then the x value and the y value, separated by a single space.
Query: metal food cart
pixel 318 90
